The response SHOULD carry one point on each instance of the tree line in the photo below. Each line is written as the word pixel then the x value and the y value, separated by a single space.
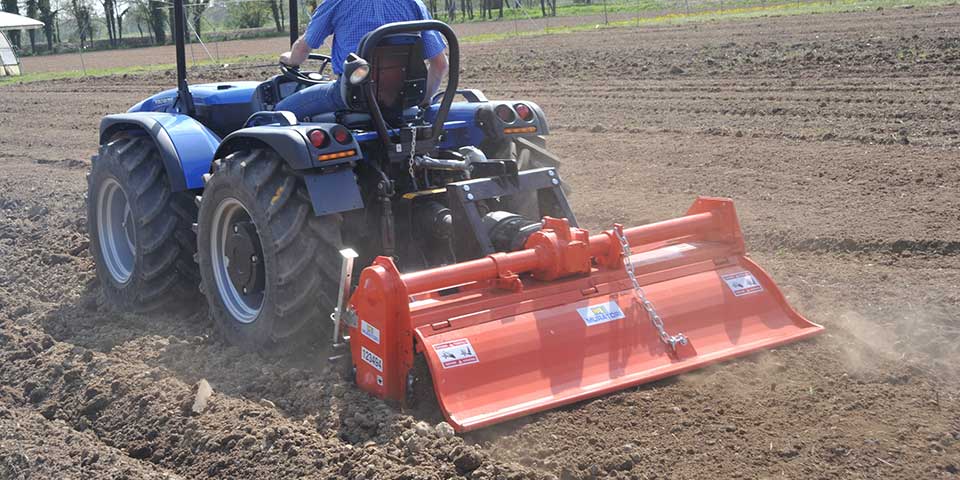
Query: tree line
pixel 116 23
pixel 486 8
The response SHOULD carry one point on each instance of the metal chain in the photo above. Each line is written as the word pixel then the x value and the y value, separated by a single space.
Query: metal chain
pixel 413 152
pixel 670 340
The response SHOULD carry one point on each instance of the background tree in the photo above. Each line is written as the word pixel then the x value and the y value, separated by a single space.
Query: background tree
pixel 196 14
pixel 48 17
pixel 276 13
pixel 109 17
pixel 451 7
pixel 487 6
pixel 157 19
pixel 32 12
pixel 246 15
pixel 170 19
pixel 119 16
pixel 61 9
pixel 83 16
pixel 11 6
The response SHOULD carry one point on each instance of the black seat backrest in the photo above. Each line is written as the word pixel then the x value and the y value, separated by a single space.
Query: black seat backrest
pixel 398 74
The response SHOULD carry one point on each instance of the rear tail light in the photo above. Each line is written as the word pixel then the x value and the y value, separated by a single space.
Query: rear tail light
pixel 341 135
pixel 505 113
pixel 318 138
pixel 525 112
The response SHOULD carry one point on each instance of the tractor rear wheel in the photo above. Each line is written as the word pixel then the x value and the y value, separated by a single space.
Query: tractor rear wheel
pixel 140 234
pixel 270 267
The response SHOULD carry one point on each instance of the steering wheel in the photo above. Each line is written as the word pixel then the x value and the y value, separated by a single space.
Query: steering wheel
pixel 305 77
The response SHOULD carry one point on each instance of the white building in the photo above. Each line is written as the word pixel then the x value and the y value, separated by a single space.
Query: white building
pixel 9 62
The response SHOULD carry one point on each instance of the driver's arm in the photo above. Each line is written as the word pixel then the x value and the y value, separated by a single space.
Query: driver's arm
pixel 437 69
pixel 298 53
pixel 319 28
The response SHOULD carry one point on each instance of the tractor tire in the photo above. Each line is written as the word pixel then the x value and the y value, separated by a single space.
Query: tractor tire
pixel 270 267
pixel 140 234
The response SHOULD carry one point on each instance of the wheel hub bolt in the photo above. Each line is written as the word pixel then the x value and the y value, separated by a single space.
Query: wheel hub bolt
pixel 244 290
pixel 236 229
pixel 253 258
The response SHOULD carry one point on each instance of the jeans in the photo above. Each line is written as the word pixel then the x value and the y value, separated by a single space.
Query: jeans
pixel 314 100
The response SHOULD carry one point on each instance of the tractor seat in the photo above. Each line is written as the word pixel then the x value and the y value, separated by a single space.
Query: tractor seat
pixel 351 120
pixel 357 120
pixel 399 78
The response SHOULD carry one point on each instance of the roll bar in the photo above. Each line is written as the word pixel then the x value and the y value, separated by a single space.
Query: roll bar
pixel 371 40
pixel 184 98
pixel 294 21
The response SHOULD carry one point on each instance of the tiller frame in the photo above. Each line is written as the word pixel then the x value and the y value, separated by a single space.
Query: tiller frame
pixel 569 317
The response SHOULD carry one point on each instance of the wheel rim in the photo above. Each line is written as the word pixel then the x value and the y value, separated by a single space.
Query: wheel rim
pixel 237 261
pixel 115 228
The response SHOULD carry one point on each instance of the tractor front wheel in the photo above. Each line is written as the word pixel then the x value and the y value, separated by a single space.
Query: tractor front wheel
pixel 139 230
pixel 269 265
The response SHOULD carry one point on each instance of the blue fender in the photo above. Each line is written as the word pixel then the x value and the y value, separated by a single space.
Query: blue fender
pixel 186 146
pixel 331 184
pixel 289 142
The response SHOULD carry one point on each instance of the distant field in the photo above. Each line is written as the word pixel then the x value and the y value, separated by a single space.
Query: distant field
pixel 110 59
pixel 264 50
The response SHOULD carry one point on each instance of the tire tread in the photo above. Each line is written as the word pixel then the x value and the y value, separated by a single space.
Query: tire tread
pixel 300 283
pixel 161 278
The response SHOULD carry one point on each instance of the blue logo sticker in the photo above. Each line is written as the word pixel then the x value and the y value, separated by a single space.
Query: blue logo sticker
pixel 602 313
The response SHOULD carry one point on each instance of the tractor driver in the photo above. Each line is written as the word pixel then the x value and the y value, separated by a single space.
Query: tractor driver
pixel 348 21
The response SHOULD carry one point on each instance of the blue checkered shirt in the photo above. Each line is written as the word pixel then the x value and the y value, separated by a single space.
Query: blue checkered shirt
pixel 349 20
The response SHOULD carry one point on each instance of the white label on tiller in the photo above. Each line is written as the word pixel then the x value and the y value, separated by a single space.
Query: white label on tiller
pixel 369 331
pixel 602 313
pixel 456 353
pixel 371 358
pixel 742 283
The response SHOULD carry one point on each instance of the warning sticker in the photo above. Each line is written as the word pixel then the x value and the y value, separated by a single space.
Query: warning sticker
pixel 456 353
pixel 602 313
pixel 371 358
pixel 742 283
pixel 369 331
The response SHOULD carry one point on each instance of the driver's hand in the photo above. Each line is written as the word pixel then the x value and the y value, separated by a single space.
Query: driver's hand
pixel 286 58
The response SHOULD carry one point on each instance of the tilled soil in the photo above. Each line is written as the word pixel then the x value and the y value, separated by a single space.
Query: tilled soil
pixel 837 135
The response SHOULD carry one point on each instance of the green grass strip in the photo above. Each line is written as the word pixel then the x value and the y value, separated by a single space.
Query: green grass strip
pixel 727 14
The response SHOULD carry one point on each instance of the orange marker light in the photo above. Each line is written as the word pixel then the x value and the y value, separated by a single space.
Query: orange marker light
pixel 520 130
pixel 336 155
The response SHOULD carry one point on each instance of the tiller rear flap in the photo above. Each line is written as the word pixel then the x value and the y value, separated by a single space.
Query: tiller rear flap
pixel 572 316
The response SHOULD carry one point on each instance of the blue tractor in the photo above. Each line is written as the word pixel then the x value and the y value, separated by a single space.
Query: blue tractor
pixel 209 185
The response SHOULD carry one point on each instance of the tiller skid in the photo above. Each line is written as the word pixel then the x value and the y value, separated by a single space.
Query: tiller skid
pixel 570 317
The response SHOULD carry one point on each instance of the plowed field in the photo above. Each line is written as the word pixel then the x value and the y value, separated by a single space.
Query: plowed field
pixel 838 136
